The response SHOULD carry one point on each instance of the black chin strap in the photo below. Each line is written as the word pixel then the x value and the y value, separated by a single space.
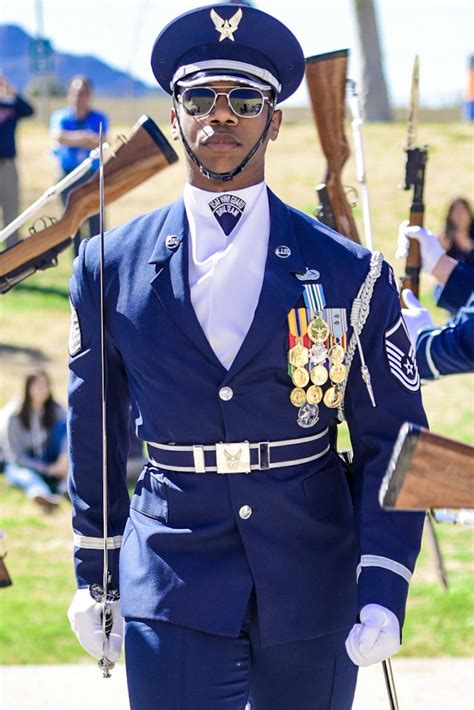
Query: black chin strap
pixel 223 177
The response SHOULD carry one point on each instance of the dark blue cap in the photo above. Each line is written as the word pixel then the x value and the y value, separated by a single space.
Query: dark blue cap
pixel 231 40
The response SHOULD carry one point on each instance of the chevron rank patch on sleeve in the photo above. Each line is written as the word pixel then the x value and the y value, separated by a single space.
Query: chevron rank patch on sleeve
pixel 401 356
pixel 75 338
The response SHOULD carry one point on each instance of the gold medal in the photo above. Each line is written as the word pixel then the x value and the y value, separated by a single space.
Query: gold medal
pixel 332 397
pixel 318 330
pixel 338 373
pixel 298 356
pixel 336 353
pixel 314 394
pixel 300 377
pixel 298 396
pixel 319 375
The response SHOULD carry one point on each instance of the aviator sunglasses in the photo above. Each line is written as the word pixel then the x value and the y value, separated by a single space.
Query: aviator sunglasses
pixel 246 102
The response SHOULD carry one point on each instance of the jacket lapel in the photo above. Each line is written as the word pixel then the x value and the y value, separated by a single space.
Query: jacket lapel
pixel 171 283
pixel 280 289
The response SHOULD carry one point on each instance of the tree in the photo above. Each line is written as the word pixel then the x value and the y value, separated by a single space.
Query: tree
pixel 374 89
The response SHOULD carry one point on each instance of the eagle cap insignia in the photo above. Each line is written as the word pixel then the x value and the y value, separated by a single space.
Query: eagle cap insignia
pixel 226 28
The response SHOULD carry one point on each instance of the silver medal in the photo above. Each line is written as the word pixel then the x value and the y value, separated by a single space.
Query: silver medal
pixel 308 415
pixel 318 353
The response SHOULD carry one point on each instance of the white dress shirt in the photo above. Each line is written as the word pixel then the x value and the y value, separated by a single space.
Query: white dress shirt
pixel 226 272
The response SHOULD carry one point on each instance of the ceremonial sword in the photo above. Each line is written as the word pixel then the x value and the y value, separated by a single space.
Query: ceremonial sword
pixel 102 594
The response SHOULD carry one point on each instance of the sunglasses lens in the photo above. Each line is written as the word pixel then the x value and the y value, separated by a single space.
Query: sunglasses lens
pixel 246 102
pixel 198 101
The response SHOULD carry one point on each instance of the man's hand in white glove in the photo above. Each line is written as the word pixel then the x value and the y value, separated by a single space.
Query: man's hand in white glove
pixel 376 638
pixel 431 249
pixel 416 317
pixel 84 615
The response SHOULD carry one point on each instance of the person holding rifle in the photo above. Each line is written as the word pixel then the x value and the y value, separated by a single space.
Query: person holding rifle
pixel 447 349
pixel 249 567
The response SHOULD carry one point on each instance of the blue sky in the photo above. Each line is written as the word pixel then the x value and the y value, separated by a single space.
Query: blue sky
pixel 122 33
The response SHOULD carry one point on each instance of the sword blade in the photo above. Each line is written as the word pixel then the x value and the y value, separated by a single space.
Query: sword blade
pixel 104 664
pixel 390 683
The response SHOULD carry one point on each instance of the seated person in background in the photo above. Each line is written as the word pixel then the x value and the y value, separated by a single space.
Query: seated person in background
pixel 457 239
pixel 33 439
pixel 447 349
pixel 74 132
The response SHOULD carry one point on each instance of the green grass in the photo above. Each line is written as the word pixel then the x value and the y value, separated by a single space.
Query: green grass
pixel 439 622
pixel 33 623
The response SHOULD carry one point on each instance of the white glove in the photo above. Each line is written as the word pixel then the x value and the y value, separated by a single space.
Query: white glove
pixel 376 638
pixel 416 317
pixel 84 615
pixel 431 249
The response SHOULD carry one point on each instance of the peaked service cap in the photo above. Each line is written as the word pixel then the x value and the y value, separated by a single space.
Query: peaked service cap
pixel 225 41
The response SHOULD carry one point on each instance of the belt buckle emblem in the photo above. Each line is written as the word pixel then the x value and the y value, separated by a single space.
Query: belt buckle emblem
pixel 233 458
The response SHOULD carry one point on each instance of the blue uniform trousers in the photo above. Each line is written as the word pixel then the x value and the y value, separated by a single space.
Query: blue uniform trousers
pixel 171 667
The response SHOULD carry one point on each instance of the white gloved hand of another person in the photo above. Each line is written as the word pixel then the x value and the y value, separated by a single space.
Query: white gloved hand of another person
pixel 376 638
pixel 431 249
pixel 84 615
pixel 416 317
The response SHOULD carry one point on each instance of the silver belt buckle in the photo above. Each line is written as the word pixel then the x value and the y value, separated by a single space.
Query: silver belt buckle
pixel 233 458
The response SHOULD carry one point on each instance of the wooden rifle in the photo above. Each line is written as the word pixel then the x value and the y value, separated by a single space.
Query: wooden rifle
pixel 414 179
pixel 133 160
pixel 326 79
pixel 428 471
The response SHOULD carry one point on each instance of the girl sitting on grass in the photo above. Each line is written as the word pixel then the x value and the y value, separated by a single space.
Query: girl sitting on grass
pixel 33 439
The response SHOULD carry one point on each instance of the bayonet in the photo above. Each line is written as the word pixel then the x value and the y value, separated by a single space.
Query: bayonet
pixel 412 129
pixel 356 112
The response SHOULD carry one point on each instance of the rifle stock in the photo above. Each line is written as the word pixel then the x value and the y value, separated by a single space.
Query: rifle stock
pixel 326 79
pixel 5 579
pixel 144 153
pixel 414 178
pixel 428 471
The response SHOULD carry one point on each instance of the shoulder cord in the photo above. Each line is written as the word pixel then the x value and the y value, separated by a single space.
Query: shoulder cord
pixel 359 314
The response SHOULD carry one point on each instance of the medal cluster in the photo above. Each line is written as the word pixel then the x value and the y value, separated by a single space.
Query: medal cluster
pixel 316 358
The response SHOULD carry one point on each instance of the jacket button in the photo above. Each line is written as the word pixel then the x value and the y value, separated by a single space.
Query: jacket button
pixel 226 393
pixel 245 512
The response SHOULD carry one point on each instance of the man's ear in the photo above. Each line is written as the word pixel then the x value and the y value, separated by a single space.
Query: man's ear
pixel 276 124
pixel 174 125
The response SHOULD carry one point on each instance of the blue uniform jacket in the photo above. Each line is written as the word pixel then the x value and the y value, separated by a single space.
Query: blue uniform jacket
pixel 458 288
pixel 317 546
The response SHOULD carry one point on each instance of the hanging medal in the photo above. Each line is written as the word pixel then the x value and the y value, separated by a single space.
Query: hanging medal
pixel 337 321
pixel 298 355
pixel 317 334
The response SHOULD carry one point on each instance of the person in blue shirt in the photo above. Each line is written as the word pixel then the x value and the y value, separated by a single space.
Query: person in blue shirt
pixel 74 132
pixel 446 349
pixel 13 107
pixel 241 331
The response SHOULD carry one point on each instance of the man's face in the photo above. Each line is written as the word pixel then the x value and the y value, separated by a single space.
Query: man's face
pixel 79 96
pixel 227 144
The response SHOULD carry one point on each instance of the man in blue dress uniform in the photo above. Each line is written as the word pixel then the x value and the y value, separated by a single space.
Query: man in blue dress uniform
pixel 252 567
